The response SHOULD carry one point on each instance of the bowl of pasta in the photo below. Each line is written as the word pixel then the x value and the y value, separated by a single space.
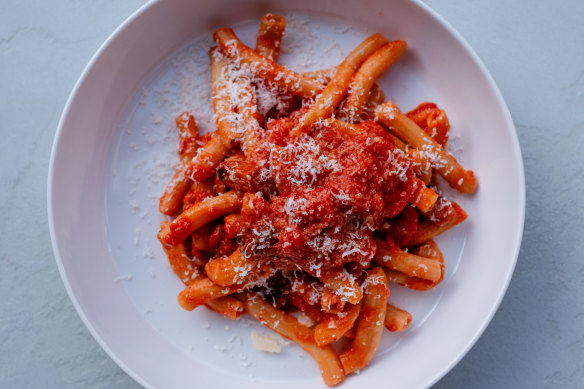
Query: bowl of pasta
pixel 273 195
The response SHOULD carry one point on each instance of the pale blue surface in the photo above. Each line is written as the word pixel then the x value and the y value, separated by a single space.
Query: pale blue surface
pixel 533 49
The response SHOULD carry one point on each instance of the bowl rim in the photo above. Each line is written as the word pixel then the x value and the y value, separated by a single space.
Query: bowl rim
pixel 51 172
pixel 424 7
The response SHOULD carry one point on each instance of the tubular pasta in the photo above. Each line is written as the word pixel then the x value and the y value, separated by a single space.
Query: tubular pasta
pixel 286 79
pixel 369 324
pixel 364 79
pixel 336 89
pixel 444 163
pixel 288 326
pixel 269 37
pixel 302 203
pixel 197 216
pixel 396 319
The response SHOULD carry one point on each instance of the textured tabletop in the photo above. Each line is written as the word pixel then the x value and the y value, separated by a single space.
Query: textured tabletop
pixel 533 49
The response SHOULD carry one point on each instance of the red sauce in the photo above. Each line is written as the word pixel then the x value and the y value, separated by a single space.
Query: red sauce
pixel 312 203
pixel 432 120
pixel 402 228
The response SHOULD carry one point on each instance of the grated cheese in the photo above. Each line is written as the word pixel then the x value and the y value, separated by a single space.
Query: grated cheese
pixel 265 343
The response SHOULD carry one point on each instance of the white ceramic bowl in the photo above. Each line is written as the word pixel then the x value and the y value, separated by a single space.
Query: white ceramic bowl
pixel 113 154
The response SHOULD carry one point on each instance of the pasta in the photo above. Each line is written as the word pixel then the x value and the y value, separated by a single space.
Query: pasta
pixel 363 81
pixel 270 36
pixel 317 206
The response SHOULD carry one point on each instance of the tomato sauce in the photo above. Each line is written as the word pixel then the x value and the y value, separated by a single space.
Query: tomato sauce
pixel 312 202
